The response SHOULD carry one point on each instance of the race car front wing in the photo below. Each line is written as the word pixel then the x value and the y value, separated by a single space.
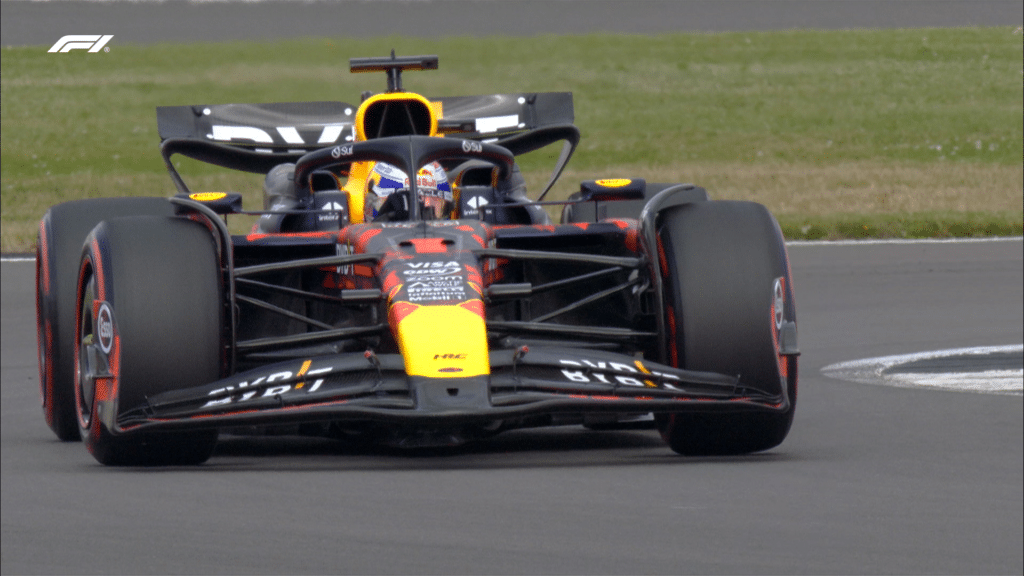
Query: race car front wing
pixel 522 383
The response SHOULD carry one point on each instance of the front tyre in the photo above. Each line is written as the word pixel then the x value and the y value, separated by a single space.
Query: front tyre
pixel 729 297
pixel 150 312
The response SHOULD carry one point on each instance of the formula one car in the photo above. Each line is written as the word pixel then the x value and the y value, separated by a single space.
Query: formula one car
pixel 438 311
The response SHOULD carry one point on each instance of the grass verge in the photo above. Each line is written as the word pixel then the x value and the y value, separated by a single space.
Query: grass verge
pixel 908 133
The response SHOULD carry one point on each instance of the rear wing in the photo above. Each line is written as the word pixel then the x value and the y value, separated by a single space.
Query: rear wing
pixel 306 126
pixel 277 127
pixel 257 137
pixel 499 116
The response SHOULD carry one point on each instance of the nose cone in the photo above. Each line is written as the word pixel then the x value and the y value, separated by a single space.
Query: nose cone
pixel 441 341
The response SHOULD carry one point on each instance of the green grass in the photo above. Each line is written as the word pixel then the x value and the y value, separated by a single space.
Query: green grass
pixel 918 225
pixel 908 132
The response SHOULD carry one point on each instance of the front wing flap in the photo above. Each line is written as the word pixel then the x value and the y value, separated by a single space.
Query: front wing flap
pixel 523 382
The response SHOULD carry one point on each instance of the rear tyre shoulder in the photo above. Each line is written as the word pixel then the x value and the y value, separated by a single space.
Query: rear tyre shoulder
pixel 150 320
pixel 62 231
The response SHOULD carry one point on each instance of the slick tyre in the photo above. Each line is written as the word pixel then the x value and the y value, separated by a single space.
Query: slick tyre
pixel 150 312
pixel 58 252
pixel 728 294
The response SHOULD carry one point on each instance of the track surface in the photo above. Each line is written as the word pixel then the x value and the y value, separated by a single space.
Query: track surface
pixel 42 23
pixel 871 479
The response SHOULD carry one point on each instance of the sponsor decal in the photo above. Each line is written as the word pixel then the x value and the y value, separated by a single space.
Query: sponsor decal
pixel 495 123
pixel 207 196
pixel 431 284
pixel 257 389
pixel 449 356
pixel 478 202
pixel 600 378
pixel 105 327
pixel 417 294
pixel 427 281
pixel 229 133
pixel 614 182
pixel 778 315
pixel 90 42
pixel 778 303
pixel 601 372
pixel 329 134
pixel 290 134
pixel 340 151
pixel 433 268
pixel 332 211
pixel 472 146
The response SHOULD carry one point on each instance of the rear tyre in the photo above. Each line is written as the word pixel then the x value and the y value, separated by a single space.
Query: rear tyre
pixel 58 252
pixel 728 294
pixel 150 312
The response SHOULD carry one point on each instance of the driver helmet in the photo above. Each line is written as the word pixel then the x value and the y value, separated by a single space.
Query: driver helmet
pixel 431 181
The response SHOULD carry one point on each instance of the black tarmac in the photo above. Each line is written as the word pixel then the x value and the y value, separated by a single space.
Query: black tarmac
pixel 871 479
pixel 42 23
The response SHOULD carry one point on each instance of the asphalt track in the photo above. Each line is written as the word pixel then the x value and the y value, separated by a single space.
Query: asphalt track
pixel 42 23
pixel 871 480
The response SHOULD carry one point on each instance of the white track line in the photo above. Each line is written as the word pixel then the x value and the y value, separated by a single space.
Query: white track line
pixel 873 371
pixel 904 241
